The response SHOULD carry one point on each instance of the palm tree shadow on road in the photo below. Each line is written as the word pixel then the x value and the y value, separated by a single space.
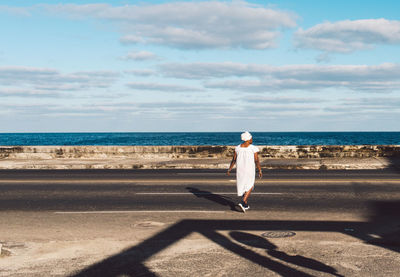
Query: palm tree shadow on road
pixel 131 262
pixel 272 250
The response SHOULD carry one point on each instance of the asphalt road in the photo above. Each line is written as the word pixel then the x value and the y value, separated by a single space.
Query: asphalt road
pixel 186 223
pixel 194 190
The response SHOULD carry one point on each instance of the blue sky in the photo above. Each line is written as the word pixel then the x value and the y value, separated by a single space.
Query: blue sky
pixel 89 66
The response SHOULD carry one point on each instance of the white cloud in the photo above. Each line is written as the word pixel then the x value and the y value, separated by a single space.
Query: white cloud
pixel 140 56
pixel 208 24
pixel 51 79
pixel 130 39
pixel 208 70
pixel 281 100
pixel 372 103
pixel 18 92
pixel 157 110
pixel 162 87
pixel 258 78
pixel 20 11
pixel 349 35
pixel 250 85
pixel 185 107
pixel 286 109
pixel 141 72
pixel 16 72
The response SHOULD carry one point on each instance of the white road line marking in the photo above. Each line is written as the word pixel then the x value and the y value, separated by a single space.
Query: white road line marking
pixel 138 181
pixel 202 193
pixel 113 181
pixel 196 173
pixel 126 212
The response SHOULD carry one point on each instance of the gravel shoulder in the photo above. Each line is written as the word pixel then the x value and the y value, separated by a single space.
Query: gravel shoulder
pixel 197 244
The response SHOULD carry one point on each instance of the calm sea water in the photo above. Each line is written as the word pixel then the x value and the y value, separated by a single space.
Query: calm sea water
pixel 223 138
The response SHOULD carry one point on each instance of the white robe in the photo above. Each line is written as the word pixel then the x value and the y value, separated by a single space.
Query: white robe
pixel 245 168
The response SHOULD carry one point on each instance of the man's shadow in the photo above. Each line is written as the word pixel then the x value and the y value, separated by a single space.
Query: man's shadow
pixel 222 200
pixel 259 242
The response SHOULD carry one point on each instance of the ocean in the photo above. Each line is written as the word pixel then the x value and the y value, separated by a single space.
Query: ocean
pixel 201 138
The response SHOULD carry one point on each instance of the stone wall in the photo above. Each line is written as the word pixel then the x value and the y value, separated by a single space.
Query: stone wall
pixel 281 152
pixel 50 157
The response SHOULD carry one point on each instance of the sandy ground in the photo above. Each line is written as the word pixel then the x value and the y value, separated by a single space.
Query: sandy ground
pixel 143 244
pixel 196 163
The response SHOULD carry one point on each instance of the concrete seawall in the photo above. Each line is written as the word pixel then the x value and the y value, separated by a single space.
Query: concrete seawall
pixel 155 157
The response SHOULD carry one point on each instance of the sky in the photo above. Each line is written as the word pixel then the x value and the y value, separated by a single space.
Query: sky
pixel 199 66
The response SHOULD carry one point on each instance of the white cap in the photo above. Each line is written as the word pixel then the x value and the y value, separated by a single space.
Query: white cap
pixel 246 136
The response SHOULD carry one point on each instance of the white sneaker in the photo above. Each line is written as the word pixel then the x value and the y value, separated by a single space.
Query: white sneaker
pixel 242 207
